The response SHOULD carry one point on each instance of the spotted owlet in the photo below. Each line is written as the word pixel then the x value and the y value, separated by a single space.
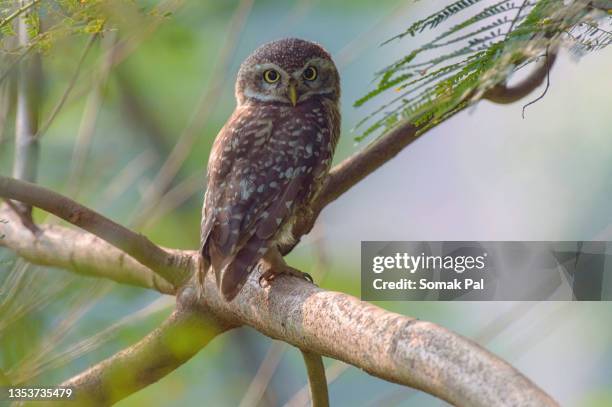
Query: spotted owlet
pixel 269 161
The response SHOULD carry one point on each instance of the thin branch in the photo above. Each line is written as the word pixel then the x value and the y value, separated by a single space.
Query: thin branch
pixel 60 104
pixel 73 250
pixel 316 379
pixel 173 268
pixel 504 94
pixel 89 119
pixel 516 18
pixel 18 12
pixel 540 97
pixel 176 341
pixel 333 372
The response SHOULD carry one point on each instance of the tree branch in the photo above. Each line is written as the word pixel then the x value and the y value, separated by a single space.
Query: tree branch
pixel 387 345
pixel 73 250
pixel 25 7
pixel 60 104
pixel 393 347
pixel 172 267
pixel 176 341
pixel 316 379
pixel 502 94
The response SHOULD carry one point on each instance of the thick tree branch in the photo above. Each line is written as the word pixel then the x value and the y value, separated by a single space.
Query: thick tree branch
pixel 178 339
pixel 387 345
pixel 173 268
pixel 393 347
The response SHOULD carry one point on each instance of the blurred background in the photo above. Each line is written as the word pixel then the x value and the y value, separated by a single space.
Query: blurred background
pixel 132 141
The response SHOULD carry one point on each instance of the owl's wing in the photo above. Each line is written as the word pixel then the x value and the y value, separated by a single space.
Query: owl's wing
pixel 257 237
pixel 255 177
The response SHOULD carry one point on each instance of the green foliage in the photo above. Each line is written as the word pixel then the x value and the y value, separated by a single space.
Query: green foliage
pixel 479 52
pixel 64 18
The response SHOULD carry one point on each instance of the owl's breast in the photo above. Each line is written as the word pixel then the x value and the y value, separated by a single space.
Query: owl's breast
pixel 264 153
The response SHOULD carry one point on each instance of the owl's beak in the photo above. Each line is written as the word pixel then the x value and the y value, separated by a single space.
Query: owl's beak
pixel 292 94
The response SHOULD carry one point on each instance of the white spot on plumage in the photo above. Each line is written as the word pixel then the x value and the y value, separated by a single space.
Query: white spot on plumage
pixel 245 189
pixel 308 150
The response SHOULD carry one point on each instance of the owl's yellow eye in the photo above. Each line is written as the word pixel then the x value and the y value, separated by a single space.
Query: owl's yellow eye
pixel 310 73
pixel 271 76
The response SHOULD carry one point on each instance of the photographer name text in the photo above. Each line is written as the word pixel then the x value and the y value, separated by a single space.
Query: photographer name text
pixel 405 262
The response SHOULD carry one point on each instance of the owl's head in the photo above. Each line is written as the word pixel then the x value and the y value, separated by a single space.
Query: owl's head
pixel 289 71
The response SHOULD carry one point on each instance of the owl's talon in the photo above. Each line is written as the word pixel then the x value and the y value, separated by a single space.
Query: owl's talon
pixel 273 265
pixel 266 277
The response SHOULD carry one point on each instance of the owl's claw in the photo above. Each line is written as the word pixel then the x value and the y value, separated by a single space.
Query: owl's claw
pixel 267 276
pixel 264 280
pixel 273 265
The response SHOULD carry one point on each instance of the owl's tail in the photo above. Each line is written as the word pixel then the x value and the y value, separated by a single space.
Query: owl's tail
pixel 235 273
